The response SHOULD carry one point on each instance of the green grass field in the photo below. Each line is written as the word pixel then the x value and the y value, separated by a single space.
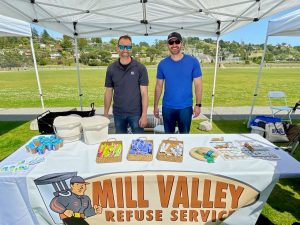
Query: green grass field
pixel 234 87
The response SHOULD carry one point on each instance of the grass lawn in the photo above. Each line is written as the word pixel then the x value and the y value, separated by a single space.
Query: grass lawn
pixel 234 87
pixel 282 207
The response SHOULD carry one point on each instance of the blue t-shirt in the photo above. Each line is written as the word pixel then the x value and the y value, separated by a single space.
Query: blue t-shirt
pixel 178 76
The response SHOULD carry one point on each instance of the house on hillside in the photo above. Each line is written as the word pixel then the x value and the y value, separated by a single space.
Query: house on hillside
pixel 203 57
pixel 55 55
pixel 58 47
pixel 145 59
pixel 27 53
pixel 114 55
pixel 232 58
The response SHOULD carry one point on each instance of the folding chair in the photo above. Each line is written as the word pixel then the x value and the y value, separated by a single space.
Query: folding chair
pixel 278 103
pixel 293 144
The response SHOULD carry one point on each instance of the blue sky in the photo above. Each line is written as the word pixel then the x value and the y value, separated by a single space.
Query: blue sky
pixel 254 33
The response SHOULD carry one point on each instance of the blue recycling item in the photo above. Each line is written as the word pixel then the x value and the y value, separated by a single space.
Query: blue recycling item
pixel 264 119
pixel 149 148
pixel 209 153
pixel 132 152
pixel 50 146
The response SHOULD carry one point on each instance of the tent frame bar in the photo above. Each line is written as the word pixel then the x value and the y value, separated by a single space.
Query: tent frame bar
pixel 37 73
pixel 215 78
pixel 78 71
pixel 255 93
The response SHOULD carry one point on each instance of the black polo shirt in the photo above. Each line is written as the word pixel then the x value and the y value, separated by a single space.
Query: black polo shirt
pixel 126 84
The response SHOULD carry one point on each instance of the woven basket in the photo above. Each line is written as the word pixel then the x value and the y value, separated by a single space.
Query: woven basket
pixel 110 159
pixel 163 156
pixel 138 157
pixel 170 158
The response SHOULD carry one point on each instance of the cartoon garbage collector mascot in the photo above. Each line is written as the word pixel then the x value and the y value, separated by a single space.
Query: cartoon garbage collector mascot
pixel 75 207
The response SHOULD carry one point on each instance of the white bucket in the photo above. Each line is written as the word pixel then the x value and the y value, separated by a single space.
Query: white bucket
pixel 95 129
pixel 257 130
pixel 68 127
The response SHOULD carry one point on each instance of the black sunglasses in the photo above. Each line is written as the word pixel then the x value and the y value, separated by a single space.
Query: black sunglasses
pixel 177 42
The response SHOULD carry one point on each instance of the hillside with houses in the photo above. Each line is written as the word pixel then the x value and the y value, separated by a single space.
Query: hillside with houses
pixel 16 52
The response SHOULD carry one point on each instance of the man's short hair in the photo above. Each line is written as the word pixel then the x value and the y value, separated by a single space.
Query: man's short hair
pixel 126 36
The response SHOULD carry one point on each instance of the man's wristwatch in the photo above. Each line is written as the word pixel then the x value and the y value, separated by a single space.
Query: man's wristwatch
pixel 199 105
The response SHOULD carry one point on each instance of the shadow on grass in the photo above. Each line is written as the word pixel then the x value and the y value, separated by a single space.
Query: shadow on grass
pixel 262 220
pixel 238 126
pixel 14 134
pixel 284 200
pixel 222 127
pixel 7 126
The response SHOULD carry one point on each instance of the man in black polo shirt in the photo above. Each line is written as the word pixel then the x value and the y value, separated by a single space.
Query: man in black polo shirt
pixel 127 83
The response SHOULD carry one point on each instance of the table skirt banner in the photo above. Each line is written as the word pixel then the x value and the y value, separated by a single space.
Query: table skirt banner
pixel 153 197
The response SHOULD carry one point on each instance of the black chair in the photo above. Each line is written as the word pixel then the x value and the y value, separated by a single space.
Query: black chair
pixel 294 139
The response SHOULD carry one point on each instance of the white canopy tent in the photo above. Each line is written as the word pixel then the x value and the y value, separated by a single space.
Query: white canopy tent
pixel 13 27
pixel 102 18
pixel 287 25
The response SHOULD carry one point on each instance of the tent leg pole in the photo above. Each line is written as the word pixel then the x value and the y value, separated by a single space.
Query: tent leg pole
pixel 37 73
pixel 215 78
pixel 78 72
pixel 257 82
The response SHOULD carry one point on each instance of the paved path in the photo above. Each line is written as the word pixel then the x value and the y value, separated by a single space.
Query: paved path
pixel 220 113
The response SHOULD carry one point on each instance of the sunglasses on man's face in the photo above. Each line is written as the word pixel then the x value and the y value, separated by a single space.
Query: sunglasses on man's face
pixel 128 47
pixel 177 42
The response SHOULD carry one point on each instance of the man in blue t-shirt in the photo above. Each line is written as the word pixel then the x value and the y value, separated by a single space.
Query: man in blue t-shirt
pixel 178 72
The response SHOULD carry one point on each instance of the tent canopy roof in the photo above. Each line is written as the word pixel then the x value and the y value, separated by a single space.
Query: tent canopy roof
pixel 14 27
pixel 288 25
pixel 100 18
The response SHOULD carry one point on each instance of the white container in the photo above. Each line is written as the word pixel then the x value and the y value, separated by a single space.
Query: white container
pixel 68 127
pixel 95 129
pixel 257 130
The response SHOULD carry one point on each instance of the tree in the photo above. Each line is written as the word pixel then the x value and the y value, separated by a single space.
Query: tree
pixel 269 57
pixel 66 43
pixel 82 43
pixel 24 41
pixel 97 40
pixel 35 34
pixel 209 40
pixel 257 60
pixel 144 44
pixel 297 48
pixel 46 38
pixel 206 50
pixel 114 42
pixel 160 44
pixel 105 56
pixel 152 53
pixel 42 62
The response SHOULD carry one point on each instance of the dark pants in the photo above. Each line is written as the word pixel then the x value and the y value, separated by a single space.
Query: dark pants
pixel 122 122
pixel 74 221
pixel 183 117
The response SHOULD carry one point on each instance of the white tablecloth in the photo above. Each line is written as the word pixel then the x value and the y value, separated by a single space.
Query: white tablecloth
pixel 32 204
